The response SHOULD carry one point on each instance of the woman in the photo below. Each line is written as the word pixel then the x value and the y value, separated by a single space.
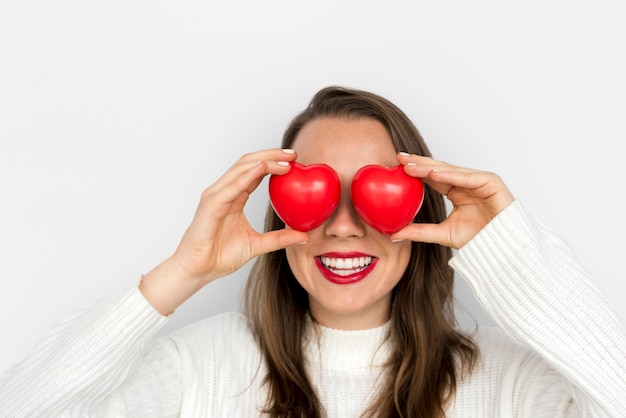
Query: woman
pixel 383 343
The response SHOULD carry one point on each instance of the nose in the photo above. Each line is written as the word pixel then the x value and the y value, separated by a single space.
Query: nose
pixel 345 222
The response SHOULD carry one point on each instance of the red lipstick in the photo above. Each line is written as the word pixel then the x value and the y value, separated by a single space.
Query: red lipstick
pixel 345 268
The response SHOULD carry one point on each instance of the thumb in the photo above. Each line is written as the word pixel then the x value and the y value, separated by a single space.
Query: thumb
pixel 275 240
pixel 424 232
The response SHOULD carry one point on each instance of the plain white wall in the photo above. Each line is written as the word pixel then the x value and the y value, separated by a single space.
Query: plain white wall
pixel 114 116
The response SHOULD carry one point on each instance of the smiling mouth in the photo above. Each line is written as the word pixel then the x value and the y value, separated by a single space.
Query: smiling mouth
pixel 346 266
pixel 345 269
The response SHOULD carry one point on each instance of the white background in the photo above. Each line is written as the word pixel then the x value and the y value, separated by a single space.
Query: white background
pixel 114 116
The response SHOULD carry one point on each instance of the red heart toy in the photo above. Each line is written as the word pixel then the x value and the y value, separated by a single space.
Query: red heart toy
pixel 386 198
pixel 306 196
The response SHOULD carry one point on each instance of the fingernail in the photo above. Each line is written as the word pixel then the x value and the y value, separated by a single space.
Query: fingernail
pixel 288 150
pixel 283 163
pixel 411 164
pixel 405 154
pixel 397 240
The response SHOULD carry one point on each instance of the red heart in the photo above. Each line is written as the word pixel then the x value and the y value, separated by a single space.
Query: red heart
pixel 306 196
pixel 386 198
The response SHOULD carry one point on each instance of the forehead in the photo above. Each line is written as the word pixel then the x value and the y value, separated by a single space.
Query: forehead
pixel 345 142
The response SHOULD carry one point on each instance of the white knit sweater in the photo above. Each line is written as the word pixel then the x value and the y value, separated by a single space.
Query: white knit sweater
pixel 564 355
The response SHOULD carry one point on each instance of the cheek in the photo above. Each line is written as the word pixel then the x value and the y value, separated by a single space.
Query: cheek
pixel 402 259
pixel 296 258
pixel 405 253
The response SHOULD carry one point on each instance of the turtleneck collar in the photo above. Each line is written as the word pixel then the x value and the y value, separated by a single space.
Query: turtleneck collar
pixel 346 350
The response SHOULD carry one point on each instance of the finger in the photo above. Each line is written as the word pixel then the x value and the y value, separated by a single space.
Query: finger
pixel 228 197
pixel 276 240
pixel 463 179
pixel 271 154
pixel 424 232
pixel 272 157
pixel 270 167
pixel 480 184
pixel 405 158
pixel 424 165
pixel 445 173
pixel 246 175
pixel 425 174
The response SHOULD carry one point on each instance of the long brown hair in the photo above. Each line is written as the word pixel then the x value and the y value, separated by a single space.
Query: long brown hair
pixel 429 355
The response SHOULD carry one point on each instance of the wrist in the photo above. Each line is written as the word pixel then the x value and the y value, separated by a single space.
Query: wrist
pixel 168 286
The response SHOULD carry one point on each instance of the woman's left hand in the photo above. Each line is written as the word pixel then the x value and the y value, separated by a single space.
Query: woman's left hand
pixel 477 197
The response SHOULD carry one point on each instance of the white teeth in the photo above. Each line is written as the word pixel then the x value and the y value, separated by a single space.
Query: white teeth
pixel 346 266
pixel 346 272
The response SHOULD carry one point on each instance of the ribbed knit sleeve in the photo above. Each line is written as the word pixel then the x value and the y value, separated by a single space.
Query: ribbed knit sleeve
pixel 531 284
pixel 81 361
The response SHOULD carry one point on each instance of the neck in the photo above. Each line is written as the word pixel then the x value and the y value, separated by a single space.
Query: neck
pixel 347 349
pixel 368 318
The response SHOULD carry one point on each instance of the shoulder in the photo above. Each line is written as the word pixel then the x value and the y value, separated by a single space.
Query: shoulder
pixel 490 337
pixel 508 378
pixel 500 355
pixel 493 343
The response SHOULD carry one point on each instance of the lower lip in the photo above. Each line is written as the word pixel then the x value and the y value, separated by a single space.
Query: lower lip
pixel 337 279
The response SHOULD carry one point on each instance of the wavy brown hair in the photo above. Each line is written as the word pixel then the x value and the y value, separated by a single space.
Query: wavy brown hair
pixel 429 355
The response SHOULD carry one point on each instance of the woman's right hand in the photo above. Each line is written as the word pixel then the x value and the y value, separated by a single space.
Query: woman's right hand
pixel 220 239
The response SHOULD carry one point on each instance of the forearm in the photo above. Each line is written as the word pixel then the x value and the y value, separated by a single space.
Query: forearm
pixel 534 288
pixel 168 286
pixel 82 360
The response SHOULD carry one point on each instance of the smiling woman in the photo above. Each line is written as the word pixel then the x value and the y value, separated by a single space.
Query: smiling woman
pixel 344 318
